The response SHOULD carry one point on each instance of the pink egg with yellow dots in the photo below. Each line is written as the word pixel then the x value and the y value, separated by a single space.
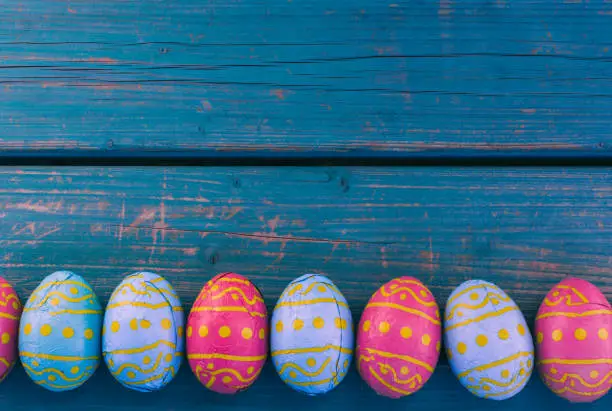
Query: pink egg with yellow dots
pixel 227 334
pixel 398 341
pixel 573 342
pixel 10 312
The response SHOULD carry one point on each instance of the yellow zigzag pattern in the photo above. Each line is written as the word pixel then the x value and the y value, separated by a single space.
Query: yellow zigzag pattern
pixel 213 375
pixel 56 372
pixel 516 387
pixel 496 363
pixel 485 380
pixel 62 296
pixel 311 383
pixel 303 371
pixel 297 287
pixel 487 299
pixel 144 305
pixel 579 378
pixel 246 299
pixel 386 384
pixel 66 282
pixel 410 291
pixel 153 378
pixel 406 358
pixel 137 367
pixel 385 368
pixel 147 289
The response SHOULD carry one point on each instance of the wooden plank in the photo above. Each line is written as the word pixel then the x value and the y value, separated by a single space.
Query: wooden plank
pixel 523 229
pixel 251 77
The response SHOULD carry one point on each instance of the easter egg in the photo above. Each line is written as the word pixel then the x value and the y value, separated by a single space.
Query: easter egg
pixel 488 343
pixel 398 339
pixel 312 335
pixel 10 312
pixel 572 338
pixel 59 333
pixel 227 334
pixel 143 332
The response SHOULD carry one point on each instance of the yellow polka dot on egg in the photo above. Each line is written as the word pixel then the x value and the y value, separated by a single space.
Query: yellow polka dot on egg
pixel 505 373
pixel 321 288
pixel 580 334
pixel 404 370
pixel 27 329
pixel 311 362
pixel 146 359
pixel 461 348
pixel 402 297
pixel 539 338
pixel 594 374
pixel 131 374
pixel 6 338
pixel 423 293
pixel 145 324
pixel 474 296
pixel 134 324
pixel 35 363
pixel 406 332
pixel 180 331
pixel 292 374
pixel 89 333
pixel 74 370
pixel 438 346
pixel 553 370
pixel 115 326
pixel 340 323
pixel 45 330
pixel 168 357
pixel 503 334
pixel 482 340
pixel 166 324
pixel 15 305
pixel 250 370
pixel 602 333
pixel 521 329
pixel 68 332
pixel 210 366
pixel 366 325
pixel 189 331
pixel 384 327
pixel 486 387
pixel 54 301
pixel 522 371
pixel 557 335
pixel 203 331
pixel 52 377
pixel 74 290
pixel 225 331
pixel 227 379
pixel 279 326
pixel 318 322
pixel 247 333
pixel 298 324
pixel 262 333
pixel 426 339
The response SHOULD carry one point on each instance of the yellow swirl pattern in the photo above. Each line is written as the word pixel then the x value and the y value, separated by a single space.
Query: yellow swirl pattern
pixel 61 296
pixel 303 371
pixel 137 367
pixel 153 378
pixel 407 310
pixel 485 380
pixel 297 287
pixel 144 305
pixel 256 299
pixel 468 289
pixel 577 377
pixel 213 375
pixel 410 291
pixel 386 384
pixel 406 358
pixel 416 379
pixel 518 386
pixel 147 290
pixel 311 383
pixel 567 298
pixel 488 298
pixel 56 372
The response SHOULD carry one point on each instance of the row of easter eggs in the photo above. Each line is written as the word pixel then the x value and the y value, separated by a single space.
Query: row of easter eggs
pixel 142 336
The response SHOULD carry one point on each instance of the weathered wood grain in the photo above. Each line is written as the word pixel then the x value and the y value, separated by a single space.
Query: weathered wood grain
pixel 251 77
pixel 522 229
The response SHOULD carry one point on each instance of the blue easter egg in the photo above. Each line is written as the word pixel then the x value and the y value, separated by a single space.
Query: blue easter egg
pixel 488 343
pixel 312 336
pixel 59 333
pixel 143 328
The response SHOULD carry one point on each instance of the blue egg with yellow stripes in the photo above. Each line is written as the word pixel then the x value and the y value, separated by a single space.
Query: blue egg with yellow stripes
pixel 143 329
pixel 487 340
pixel 59 333
pixel 312 336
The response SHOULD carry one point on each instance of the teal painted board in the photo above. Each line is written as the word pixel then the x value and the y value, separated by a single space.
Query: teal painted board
pixel 295 78
pixel 523 229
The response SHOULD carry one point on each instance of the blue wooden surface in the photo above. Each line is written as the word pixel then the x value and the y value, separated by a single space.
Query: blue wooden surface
pixel 523 229
pixel 297 78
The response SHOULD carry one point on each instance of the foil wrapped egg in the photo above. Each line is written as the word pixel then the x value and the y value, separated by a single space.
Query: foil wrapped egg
pixel 227 334
pixel 143 332
pixel 573 342
pixel 10 312
pixel 488 343
pixel 59 333
pixel 312 335
pixel 399 338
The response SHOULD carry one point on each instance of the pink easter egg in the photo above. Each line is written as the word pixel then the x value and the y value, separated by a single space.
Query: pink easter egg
pixel 10 312
pixel 227 334
pixel 572 339
pixel 398 341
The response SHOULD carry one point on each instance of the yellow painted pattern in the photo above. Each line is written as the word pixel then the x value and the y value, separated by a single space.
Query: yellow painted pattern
pixel 9 316
pixel 143 348
pixel 229 309
pixel 233 280
pixel 386 368
pixel 55 371
pixel 297 287
pixel 303 371
pixel 256 299
pixel 147 290
pixel 200 371
pixel 386 384
pixel 485 380
pixel 153 378
pixel 577 377
pixel 226 357
pixel 407 310
pixel 574 315
pixel 488 297
pixel 576 362
pixel 313 349
pixel 468 289
pixel 8 298
pixel 137 367
pixel 66 282
pixel 406 358
pixel 480 318
pixel 64 387
pixel 144 305
pixel 4 361
pixel 567 298
pixel 57 357
pixel 78 312
pixel 519 385
pixel 497 363
pixel 581 393
pixel 310 302
pixel 410 291
pixel 61 296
